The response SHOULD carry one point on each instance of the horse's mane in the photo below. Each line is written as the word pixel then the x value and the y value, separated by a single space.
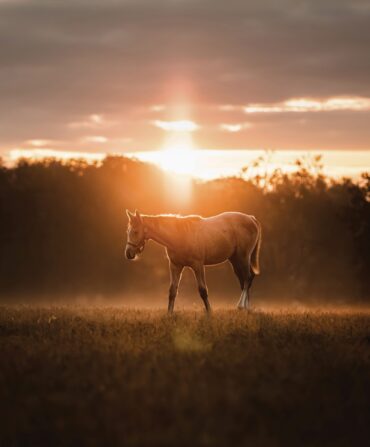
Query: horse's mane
pixel 180 223
pixel 190 217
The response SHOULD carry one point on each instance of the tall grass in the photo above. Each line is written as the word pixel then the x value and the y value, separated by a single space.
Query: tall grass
pixel 113 376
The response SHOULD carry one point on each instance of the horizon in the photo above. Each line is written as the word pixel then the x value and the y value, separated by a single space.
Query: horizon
pixel 208 164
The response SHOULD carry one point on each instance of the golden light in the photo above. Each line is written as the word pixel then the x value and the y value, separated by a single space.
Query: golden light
pixel 179 161
pixel 177 155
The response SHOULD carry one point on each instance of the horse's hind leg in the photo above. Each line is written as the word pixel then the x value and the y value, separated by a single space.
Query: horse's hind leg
pixel 175 274
pixel 249 282
pixel 238 270
pixel 242 270
pixel 245 297
pixel 250 279
pixel 202 286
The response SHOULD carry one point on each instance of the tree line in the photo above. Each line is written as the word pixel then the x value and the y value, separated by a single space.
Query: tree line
pixel 62 229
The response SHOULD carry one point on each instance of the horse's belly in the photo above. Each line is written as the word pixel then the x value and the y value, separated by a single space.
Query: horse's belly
pixel 212 260
pixel 217 253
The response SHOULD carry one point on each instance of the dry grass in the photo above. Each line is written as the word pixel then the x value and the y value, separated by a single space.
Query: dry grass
pixel 110 376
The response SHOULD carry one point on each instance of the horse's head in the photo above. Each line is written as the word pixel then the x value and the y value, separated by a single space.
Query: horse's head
pixel 135 235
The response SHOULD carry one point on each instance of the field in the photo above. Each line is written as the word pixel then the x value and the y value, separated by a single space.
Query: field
pixel 114 376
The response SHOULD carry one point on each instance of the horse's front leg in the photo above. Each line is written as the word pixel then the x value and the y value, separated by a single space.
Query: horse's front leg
pixel 175 275
pixel 202 286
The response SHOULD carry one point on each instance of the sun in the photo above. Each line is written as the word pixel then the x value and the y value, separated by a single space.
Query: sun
pixel 178 154
pixel 177 160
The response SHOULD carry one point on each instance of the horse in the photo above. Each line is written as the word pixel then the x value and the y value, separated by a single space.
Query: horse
pixel 194 241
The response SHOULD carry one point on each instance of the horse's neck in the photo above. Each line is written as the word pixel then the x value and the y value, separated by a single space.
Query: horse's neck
pixel 159 231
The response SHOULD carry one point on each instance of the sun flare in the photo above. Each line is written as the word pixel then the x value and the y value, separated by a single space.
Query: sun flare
pixel 178 153
pixel 177 160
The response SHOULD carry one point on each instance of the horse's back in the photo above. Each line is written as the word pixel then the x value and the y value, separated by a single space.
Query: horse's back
pixel 222 235
pixel 234 219
pixel 245 226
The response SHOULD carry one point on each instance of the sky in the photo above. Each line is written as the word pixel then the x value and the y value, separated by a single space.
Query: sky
pixel 126 76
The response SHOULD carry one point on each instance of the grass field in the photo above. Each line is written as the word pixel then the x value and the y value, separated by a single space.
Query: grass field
pixel 112 376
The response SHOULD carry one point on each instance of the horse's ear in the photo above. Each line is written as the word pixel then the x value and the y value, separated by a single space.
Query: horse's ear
pixel 138 216
pixel 129 215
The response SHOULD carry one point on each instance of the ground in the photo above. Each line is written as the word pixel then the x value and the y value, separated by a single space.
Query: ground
pixel 112 376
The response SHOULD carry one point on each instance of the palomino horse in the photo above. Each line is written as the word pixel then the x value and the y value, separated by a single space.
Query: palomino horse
pixel 194 241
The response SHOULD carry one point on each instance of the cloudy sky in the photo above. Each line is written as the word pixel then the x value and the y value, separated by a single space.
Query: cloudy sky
pixel 120 75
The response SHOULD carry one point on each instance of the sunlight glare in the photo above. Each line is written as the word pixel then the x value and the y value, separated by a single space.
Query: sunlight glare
pixel 177 154
pixel 178 157
pixel 177 160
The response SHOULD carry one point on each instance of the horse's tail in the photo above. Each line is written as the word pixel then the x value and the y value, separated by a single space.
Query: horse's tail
pixel 255 257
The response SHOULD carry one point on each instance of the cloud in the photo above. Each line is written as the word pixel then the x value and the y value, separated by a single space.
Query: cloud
pixel 38 143
pixel 236 127
pixel 177 126
pixel 157 108
pixel 93 121
pixel 302 105
pixel 95 139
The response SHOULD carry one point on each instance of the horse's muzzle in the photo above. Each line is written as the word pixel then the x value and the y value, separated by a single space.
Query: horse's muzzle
pixel 130 254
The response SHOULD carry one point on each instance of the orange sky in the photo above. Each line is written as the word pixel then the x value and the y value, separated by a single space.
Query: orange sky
pixel 101 77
